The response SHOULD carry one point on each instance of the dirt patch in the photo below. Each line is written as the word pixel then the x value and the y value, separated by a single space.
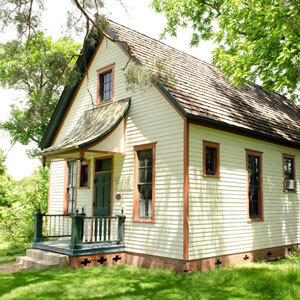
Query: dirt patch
pixel 12 267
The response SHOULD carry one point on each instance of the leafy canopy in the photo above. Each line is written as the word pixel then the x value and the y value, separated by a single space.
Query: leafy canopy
pixel 39 67
pixel 258 40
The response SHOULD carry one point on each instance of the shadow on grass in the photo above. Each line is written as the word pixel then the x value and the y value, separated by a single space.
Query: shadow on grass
pixel 122 282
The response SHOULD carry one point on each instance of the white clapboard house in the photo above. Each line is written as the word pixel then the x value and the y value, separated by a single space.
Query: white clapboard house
pixel 188 176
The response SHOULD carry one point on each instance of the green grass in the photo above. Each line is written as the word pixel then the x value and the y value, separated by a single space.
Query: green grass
pixel 10 250
pixel 276 280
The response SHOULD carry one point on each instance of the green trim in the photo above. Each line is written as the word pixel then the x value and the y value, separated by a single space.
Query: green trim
pixel 67 96
pixel 79 252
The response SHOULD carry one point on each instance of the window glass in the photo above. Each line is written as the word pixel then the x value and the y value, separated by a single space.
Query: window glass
pixel 288 164
pixel 145 160
pixel 71 186
pixel 254 185
pixel 103 165
pixel 84 175
pixel 210 160
pixel 105 86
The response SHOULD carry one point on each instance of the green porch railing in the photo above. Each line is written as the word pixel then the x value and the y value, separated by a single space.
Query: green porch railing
pixel 81 229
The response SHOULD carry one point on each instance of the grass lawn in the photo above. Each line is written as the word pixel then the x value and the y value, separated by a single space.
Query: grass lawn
pixel 268 280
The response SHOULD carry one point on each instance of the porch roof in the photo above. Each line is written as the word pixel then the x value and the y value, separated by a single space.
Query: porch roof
pixel 91 127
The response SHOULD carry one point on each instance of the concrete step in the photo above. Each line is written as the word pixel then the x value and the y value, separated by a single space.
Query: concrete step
pixel 51 257
pixel 34 263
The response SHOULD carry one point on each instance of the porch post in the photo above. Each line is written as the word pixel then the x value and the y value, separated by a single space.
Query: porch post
pixel 121 227
pixel 77 231
pixel 38 227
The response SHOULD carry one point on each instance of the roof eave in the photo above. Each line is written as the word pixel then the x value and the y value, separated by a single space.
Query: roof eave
pixel 242 131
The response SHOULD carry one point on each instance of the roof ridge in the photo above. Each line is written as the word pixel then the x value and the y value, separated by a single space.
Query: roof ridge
pixel 164 44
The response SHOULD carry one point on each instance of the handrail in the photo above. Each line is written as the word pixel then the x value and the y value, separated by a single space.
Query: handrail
pixel 81 229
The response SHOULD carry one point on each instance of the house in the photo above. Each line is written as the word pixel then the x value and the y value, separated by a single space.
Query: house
pixel 190 176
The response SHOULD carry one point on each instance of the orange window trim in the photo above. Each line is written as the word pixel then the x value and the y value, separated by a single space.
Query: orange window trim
pixel 294 171
pixel 84 163
pixel 102 72
pixel 135 188
pixel 260 196
pixel 207 144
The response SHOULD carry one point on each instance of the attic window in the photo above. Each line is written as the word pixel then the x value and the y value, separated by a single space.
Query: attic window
pixel 105 84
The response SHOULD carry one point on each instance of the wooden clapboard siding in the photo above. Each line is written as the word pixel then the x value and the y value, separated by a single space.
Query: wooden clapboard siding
pixel 56 187
pixel 219 208
pixel 150 119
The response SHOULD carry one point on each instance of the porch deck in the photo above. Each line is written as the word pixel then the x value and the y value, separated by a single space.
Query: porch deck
pixel 78 235
pixel 63 246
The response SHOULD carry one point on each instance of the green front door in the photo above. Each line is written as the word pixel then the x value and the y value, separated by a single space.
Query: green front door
pixel 102 194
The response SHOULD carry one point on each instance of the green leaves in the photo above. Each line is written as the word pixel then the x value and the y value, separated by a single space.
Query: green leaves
pixel 19 200
pixel 258 40
pixel 40 68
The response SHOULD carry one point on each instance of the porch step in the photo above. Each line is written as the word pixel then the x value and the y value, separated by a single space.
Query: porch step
pixel 37 259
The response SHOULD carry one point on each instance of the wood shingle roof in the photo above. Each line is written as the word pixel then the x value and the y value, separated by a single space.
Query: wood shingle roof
pixel 206 95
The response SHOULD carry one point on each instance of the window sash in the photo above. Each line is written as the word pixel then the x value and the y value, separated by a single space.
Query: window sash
pixel 254 186
pixel 71 186
pixel 106 86
pixel 288 164
pixel 144 183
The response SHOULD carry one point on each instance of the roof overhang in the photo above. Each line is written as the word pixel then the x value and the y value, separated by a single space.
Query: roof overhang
pixel 94 125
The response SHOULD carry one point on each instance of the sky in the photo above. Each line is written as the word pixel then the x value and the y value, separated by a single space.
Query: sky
pixel 138 16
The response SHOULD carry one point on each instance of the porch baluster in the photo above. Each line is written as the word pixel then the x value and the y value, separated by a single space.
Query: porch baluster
pixel 96 229
pixel 104 234
pixel 100 229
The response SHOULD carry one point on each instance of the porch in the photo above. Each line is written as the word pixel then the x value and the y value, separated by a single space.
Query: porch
pixel 78 234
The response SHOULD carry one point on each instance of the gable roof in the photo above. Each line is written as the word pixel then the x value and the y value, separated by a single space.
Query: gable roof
pixel 201 93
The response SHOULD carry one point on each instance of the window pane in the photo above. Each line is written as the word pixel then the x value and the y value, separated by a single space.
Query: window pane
pixel 145 183
pixel 84 175
pixel 103 165
pixel 288 168
pixel 210 160
pixel 71 186
pixel 254 185
pixel 106 86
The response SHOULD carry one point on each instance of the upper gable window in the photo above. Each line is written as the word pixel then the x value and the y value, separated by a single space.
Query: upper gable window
pixel 105 84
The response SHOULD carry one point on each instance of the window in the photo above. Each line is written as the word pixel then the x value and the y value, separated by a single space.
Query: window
pixel 69 207
pixel 84 175
pixel 211 159
pixel 144 181
pixel 254 183
pixel 288 171
pixel 105 84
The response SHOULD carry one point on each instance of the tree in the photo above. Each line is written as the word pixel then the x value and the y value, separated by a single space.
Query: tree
pixel 257 40
pixel 20 201
pixel 39 67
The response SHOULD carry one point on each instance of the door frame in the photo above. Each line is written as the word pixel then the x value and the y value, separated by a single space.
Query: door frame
pixel 111 180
